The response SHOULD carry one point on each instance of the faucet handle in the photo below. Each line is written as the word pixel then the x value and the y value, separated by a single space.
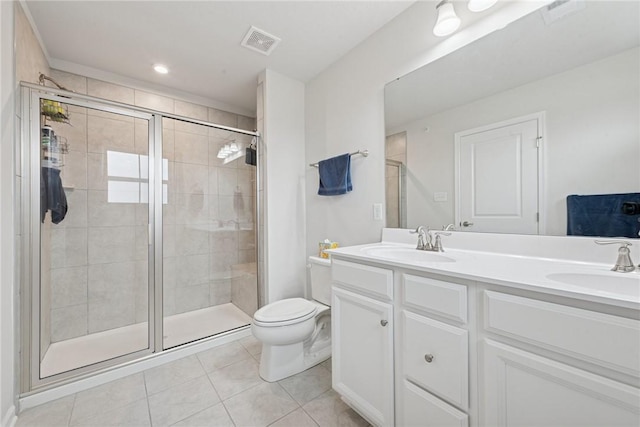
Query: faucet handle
pixel 623 263
pixel 438 244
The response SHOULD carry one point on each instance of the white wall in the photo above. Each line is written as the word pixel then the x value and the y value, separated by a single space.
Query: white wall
pixel 284 143
pixel 7 232
pixel 345 112
pixel 582 128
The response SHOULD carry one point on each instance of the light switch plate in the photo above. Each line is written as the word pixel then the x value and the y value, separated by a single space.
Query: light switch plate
pixel 377 211
pixel 440 196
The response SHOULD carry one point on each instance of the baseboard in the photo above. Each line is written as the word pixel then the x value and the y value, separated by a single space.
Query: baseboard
pixel 10 418
pixel 111 374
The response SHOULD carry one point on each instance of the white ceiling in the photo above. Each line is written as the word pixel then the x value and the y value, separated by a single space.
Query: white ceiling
pixel 199 41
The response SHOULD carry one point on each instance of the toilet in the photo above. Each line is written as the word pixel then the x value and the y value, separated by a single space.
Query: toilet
pixel 296 332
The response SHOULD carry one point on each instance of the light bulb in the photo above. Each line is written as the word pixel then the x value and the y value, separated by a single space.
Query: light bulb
pixel 159 68
pixel 447 21
pixel 233 147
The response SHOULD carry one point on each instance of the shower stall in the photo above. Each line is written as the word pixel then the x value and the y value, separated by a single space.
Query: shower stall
pixel 140 232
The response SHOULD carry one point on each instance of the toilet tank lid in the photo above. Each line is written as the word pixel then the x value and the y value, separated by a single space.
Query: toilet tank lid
pixel 286 309
pixel 320 261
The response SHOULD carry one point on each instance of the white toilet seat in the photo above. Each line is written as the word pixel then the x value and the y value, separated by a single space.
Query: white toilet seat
pixel 285 312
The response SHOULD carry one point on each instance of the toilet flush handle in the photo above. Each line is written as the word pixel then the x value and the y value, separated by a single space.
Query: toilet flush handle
pixel 384 322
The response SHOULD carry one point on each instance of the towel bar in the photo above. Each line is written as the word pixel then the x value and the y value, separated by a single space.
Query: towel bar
pixel 364 153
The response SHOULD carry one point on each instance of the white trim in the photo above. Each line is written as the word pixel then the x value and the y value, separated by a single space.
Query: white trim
pixel 96 379
pixel 106 76
pixel 10 418
pixel 540 118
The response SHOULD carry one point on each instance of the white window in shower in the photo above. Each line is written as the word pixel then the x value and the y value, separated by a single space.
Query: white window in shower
pixel 128 178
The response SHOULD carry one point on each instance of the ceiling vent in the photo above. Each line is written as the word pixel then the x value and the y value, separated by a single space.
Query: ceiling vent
pixel 560 8
pixel 260 41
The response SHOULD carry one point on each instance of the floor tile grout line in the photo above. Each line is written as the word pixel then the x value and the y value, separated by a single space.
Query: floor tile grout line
pixel 73 406
pixel 308 414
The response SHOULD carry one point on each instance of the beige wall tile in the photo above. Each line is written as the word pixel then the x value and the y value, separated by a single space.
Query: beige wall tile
pixel 191 148
pixel 192 270
pixel 192 298
pixel 111 244
pixel 68 286
pixel 74 171
pixel 192 208
pixel 190 178
pixel 110 91
pixel 109 134
pixel 191 240
pixel 227 181
pixel 105 214
pixel 68 322
pixel 246 123
pixel 154 102
pixel 73 82
pixel 193 111
pixel 29 58
pixel 223 118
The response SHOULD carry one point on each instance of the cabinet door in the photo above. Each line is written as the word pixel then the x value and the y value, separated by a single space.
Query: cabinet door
pixel 521 388
pixel 362 351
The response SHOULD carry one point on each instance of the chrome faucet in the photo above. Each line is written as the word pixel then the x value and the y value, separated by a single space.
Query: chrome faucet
pixel 437 247
pixel 448 227
pixel 623 263
pixel 424 239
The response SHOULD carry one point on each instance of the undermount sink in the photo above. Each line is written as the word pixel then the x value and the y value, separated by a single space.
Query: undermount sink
pixel 406 254
pixel 626 283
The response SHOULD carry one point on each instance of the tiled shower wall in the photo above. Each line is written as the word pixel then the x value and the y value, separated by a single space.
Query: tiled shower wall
pixel 99 252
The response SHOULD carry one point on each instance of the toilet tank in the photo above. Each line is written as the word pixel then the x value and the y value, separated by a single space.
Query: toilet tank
pixel 320 276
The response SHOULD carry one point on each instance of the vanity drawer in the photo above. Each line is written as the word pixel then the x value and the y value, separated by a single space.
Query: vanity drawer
pixel 594 337
pixel 445 299
pixel 371 280
pixel 435 356
pixel 420 408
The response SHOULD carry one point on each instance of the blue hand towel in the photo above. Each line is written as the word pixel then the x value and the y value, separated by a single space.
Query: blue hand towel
pixel 335 175
pixel 601 215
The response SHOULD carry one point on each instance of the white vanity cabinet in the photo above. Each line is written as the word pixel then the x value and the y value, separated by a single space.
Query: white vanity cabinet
pixel 550 364
pixel 424 348
pixel 362 339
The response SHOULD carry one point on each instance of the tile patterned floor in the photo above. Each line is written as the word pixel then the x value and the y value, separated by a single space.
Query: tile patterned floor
pixel 217 387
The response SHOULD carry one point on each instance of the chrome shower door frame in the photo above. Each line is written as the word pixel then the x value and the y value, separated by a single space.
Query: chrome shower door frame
pixel 30 359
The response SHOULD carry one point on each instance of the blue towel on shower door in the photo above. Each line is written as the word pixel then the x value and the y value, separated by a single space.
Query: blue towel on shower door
pixel 602 215
pixel 335 175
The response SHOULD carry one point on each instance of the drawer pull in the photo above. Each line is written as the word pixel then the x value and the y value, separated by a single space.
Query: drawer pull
pixel 428 358
pixel 384 322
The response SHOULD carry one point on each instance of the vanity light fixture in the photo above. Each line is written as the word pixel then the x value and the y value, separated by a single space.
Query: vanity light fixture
pixel 480 5
pixel 161 69
pixel 447 22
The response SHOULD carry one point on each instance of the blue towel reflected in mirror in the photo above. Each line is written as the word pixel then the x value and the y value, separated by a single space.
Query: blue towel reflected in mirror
pixel 335 175
pixel 603 215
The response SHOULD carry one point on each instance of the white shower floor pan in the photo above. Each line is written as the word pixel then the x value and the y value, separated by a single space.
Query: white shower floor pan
pixel 179 329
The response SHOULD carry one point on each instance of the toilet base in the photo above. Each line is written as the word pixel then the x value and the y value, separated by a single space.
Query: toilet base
pixel 281 361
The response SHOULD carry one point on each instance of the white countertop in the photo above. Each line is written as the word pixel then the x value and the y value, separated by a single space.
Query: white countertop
pixel 581 280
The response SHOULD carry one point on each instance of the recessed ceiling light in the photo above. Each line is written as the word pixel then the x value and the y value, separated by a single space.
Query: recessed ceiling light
pixel 161 69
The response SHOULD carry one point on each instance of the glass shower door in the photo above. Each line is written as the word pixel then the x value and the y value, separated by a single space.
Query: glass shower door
pixel 94 222
pixel 209 239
